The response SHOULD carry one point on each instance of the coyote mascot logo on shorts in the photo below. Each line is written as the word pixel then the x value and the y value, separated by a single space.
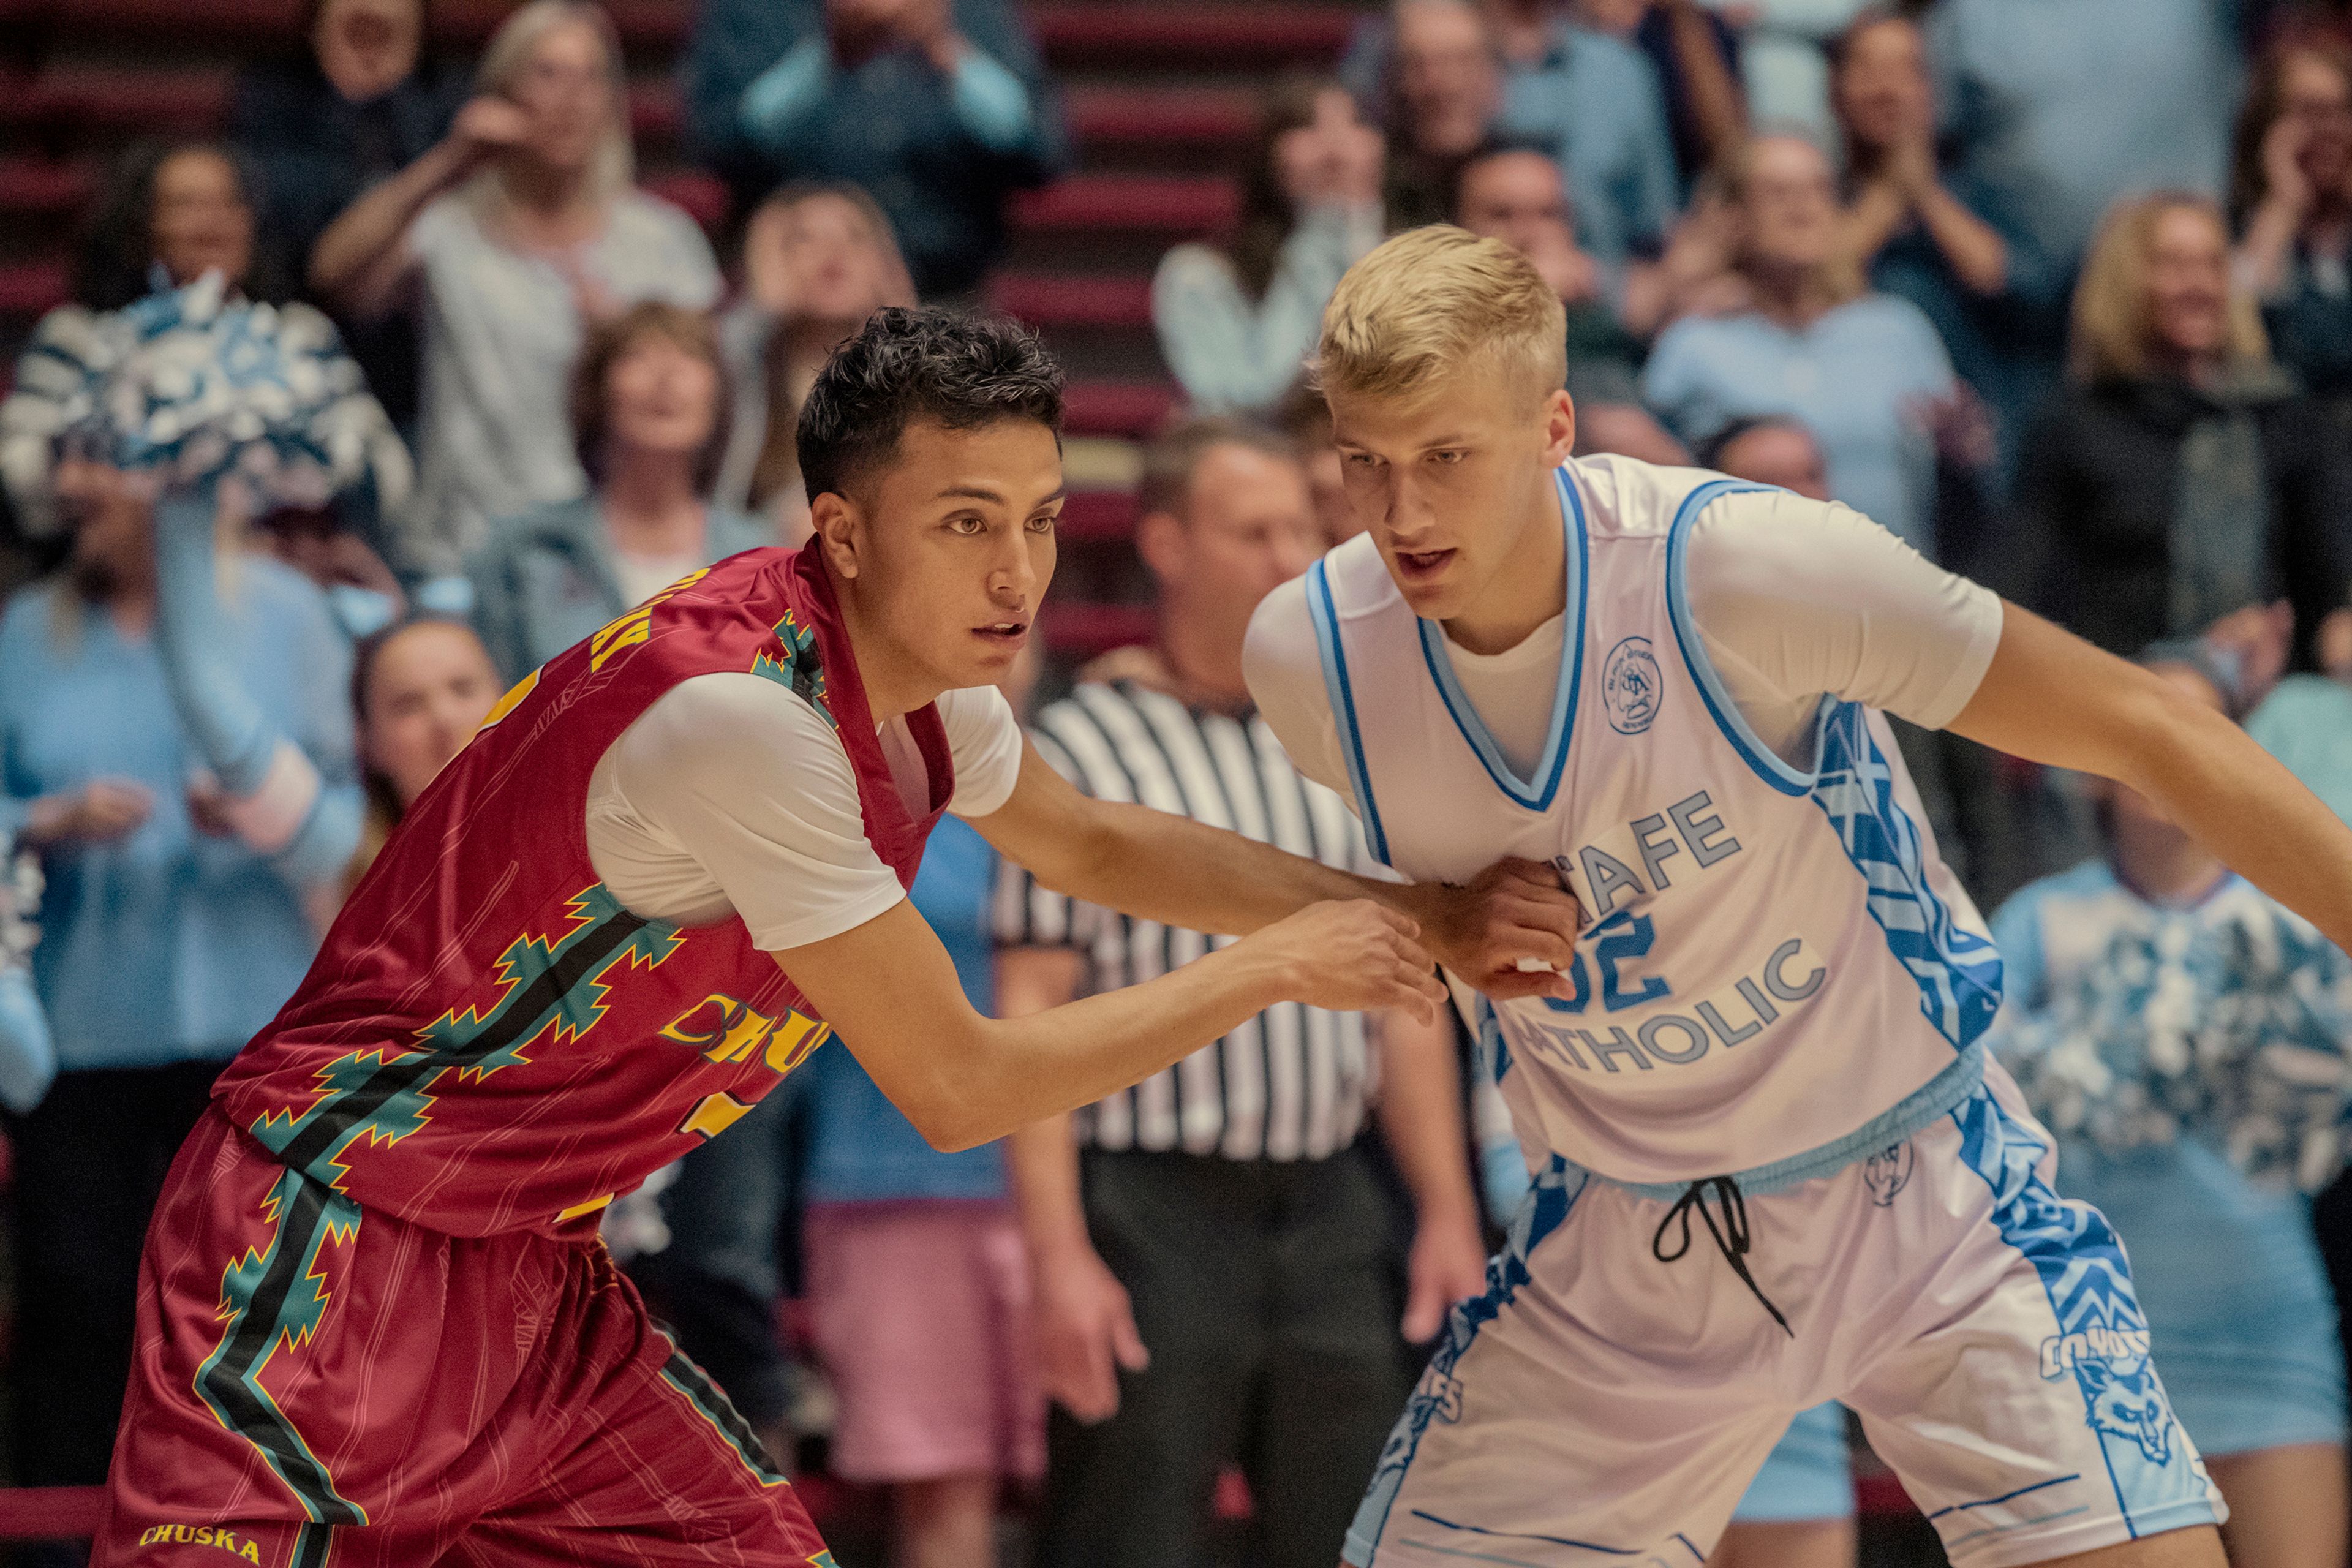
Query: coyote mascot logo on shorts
pixel 2129 1403
pixel 2120 1392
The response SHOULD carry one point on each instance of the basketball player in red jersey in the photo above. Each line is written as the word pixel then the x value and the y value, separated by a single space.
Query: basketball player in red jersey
pixel 375 1326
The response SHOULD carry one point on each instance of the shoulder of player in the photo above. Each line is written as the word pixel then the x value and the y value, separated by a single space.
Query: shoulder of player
pixel 711 717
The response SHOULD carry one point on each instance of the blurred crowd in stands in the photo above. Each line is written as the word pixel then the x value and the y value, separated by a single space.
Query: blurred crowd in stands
pixel 2062 295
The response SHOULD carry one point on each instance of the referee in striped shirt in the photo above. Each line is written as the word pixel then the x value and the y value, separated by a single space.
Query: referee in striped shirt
pixel 1214 1256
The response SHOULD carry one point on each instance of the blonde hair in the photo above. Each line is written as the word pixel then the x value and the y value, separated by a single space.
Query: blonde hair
pixel 1426 303
pixel 614 168
pixel 2113 333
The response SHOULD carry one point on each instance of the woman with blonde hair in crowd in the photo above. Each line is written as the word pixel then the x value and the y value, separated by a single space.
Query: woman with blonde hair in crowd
pixel 2291 201
pixel 649 423
pixel 2182 477
pixel 817 260
pixel 512 237
pixel 1864 372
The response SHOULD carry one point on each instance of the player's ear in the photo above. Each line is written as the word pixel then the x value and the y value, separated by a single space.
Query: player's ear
pixel 1560 427
pixel 833 529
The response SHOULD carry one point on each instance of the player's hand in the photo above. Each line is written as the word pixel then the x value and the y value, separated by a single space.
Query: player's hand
pixel 1352 956
pixel 1085 1332
pixel 1514 910
pixel 1448 1264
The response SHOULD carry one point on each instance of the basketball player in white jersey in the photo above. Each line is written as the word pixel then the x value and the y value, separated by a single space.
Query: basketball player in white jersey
pixel 1772 1165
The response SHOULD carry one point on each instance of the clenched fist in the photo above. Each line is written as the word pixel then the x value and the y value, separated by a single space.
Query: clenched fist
pixel 1513 910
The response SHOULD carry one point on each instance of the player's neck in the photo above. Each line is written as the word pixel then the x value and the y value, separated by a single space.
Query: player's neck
pixel 1528 590
pixel 895 683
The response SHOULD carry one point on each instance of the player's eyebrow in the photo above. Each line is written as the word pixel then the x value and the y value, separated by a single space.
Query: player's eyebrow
pixel 981 492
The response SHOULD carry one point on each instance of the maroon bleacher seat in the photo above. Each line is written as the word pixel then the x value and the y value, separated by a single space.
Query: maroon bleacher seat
pixel 29 287
pixel 50 1513
pixel 1046 301
pixel 1132 408
pixel 1125 116
pixel 1174 205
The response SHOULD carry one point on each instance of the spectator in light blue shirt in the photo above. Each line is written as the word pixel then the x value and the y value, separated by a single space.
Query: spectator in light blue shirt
pixel 1864 372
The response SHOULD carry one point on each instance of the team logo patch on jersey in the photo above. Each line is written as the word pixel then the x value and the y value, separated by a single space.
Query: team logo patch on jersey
pixel 1887 1172
pixel 1631 686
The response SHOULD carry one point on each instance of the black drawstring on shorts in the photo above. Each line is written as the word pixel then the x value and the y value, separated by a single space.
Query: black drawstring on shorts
pixel 1730 1238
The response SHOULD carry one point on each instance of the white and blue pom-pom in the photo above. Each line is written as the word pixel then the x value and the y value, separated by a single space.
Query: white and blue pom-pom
pixel 195 387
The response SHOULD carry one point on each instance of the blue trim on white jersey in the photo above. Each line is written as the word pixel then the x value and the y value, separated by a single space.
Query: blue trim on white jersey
pixel 1342 697
pixel 2153 1472
pixel 1553 762
pixel 1543 1211
pixel 1760 758
pixel 1958 971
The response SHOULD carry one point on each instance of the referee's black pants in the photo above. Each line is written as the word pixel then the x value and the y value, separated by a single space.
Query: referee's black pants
pixel 1268 1295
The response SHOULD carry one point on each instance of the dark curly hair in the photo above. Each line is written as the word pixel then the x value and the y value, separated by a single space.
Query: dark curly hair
pixel 904 366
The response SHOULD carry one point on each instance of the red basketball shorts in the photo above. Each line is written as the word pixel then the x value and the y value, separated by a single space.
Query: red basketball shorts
pixel 317 1385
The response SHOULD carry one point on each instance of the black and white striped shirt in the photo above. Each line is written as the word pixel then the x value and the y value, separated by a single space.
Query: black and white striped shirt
pixel 1293 1081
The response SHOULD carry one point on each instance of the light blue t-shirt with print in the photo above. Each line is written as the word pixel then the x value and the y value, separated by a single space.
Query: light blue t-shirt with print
pixel 1857 378
pixel 2194 1064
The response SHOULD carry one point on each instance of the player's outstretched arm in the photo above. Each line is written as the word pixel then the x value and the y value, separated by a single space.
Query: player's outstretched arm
pixel 1161 866
pixel 2052 697
pixel 889 990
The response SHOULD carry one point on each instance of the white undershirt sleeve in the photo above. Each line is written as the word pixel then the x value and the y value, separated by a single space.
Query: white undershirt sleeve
pixel 984 740
pixel 1284 668
pixel 1796 598
pixel 731 792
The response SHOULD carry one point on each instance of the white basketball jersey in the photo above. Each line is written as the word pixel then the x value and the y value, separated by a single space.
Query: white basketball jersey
pixel 1779 974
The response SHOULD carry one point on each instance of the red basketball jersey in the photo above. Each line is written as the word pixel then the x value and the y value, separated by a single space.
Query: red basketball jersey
pixel 488 1041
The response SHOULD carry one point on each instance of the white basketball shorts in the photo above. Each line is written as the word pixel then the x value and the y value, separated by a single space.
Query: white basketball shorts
pixel 1596 1405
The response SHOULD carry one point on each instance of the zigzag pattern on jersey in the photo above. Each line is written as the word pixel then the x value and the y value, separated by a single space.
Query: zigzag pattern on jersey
pixel 1438 1396
pixel 2071 1245
pixel 272 1299
pixel 385 1094
pixel 1958 972
pixel 2102 1336
pixel 801 669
